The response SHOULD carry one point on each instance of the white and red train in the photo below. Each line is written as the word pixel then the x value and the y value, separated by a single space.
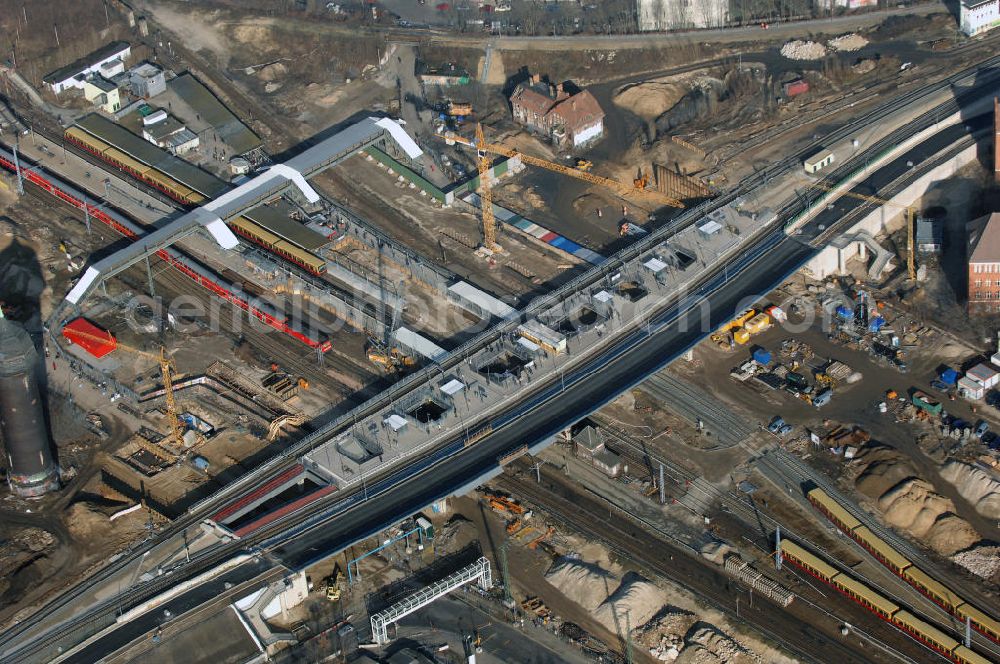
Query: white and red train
pixel 204 277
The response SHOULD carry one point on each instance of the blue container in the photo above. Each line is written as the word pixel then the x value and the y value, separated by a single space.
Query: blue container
pixel 949 376
pixel 876 324
pixel 762 357
pixel 844 312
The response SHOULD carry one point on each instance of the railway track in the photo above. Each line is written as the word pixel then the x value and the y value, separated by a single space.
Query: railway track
pixel 761 524
pixel 662 556
pixel 694 404
pixel 375 404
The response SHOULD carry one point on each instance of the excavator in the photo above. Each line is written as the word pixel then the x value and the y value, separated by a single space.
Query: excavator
pixel 386 357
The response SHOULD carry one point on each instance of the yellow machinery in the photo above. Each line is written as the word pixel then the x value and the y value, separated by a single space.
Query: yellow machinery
pixel 622 188
pixel 166 369
pixel 909 218
pixel 584 165
pixel 389 359
pixel 486 194
pixel 735 327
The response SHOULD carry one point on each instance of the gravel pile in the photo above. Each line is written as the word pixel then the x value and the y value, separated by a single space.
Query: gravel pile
pixel 849 42
pixel 707 645
pixel 983 561
pixel 584 583
pixel 803 50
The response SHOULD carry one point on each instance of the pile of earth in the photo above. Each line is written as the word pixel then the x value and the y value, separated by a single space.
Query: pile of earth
pixel 975 485
pixel 849 42
pixel 612 602
pixel 651 99
pixel 908 502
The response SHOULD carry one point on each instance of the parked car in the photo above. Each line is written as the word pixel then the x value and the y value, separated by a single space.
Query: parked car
pixel 778 426
pixel 982 428
pixel 940 385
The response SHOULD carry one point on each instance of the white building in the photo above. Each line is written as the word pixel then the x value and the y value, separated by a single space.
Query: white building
pixel 674 14
pixel 147 81
pixel 976 17
pixel 167 132
pixel 107 61
pixel 102 93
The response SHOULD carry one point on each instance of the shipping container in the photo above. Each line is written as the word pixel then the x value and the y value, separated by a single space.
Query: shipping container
pixel 762 356
pixel 796 87
pixel 924 402
pixel 758 324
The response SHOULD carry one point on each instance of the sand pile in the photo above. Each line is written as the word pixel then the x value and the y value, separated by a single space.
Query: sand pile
pixel 849 42
pixel 586 584
pixel 983 561
pixel 910 503
pixel 651 99
pixel 914 506
pixel 707 645
pixel 272 72
pixel 635 603
pixel 976 486
pixel 803 50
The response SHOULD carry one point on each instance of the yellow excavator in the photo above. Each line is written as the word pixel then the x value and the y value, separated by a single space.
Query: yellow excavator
pixel 386 357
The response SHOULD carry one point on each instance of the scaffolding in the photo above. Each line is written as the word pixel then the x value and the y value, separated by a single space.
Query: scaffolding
pixel 478 571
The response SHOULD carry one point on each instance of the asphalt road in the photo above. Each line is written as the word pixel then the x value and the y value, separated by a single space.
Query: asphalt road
pixel 183 603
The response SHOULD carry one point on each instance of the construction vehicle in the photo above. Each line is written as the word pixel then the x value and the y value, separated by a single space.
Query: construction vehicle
pixel 386 357
pixel 584 165
pixel 503 505
pixel 734 331
pixel 484 149
pixel 333 584
pixel 536 606
pixel 533 544
pixel 515 526
pixel 641 181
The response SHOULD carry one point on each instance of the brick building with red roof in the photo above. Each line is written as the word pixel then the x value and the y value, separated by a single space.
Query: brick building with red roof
pixel 569 120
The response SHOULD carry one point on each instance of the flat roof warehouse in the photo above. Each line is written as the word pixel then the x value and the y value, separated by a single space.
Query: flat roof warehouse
pixel 231 131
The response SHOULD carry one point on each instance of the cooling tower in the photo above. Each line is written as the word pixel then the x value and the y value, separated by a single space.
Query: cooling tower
pixel 22 423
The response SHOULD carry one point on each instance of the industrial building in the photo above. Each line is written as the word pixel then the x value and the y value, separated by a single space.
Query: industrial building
pixel 207 107
pixel 107 61
pixel 568 119
pixel 147 81
pixel 984 264
pixel 975 16
pixel 446 75
pixel 31 468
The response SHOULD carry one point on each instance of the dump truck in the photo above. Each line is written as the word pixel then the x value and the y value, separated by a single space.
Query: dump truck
pixel 926 403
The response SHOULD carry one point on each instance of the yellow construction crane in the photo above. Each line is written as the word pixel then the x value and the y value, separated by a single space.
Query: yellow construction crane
pixel 485 193
pixel 483 149
pixel 166 367
pixel 909 218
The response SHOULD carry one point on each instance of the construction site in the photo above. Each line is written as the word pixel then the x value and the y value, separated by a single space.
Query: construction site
pixel 225 236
